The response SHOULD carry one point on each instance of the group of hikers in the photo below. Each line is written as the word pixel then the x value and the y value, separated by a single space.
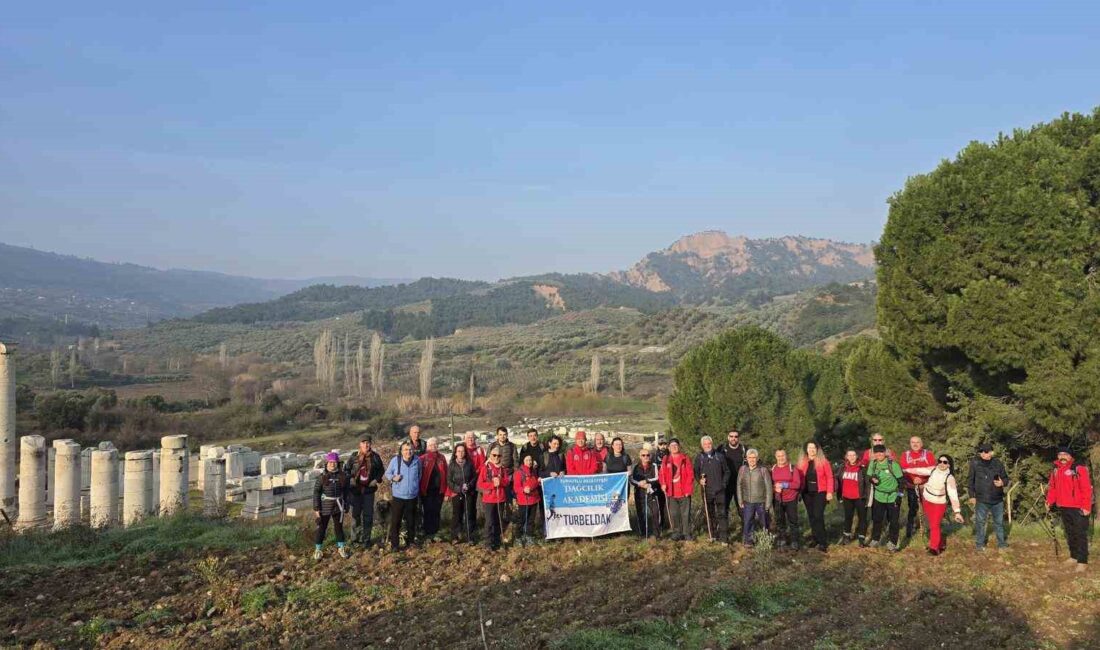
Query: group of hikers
pixel 870 487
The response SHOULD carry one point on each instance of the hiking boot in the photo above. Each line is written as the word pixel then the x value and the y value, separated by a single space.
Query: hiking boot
pixel 1071 561
pixel 874 543
pixel 317 554
pixel 1081 567
pixel 933 552
pixel 343 551
pixel 862 542
pixel 892 547
pixel 845 539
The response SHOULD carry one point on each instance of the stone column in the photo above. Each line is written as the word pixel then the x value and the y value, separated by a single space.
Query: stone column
pixel 174 474
pixel 104 495
pixel 66 502
pixel 32 482
pixel 213 494
pixel 8 448
pixel 137 495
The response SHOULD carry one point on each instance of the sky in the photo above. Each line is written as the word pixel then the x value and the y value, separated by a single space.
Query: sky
pixel 487 140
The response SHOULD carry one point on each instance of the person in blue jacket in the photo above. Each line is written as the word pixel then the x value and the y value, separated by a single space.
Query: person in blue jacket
pixel 403 475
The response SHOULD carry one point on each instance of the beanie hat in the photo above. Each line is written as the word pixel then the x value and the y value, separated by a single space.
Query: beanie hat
pixel 332 457
pixel 879 449
pixel 1065 450
pixel 984 447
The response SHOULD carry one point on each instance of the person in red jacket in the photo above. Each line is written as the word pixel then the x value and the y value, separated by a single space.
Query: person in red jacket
pixel 818 489
pixel 787 482
pixel 600 447
pixel 581 461
pixel 876 439
pixel 677 479
pixel 492 483
pixel 473 451
pixel 1070 489
pixel 916 457
pixel 433 487
pixel 528 491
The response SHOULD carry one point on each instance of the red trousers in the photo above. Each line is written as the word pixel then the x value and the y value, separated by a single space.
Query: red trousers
pixel 934 512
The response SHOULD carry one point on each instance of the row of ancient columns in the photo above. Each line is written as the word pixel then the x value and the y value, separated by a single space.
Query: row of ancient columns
pixel 140 497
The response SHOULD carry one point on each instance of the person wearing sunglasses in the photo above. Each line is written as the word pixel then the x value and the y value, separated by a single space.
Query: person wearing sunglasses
pixel 644 479
pixel 1070 491
pixel 868 454
pixel 734 453
pixel 937 490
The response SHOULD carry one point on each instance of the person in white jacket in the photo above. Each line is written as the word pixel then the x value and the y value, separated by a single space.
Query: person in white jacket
pixel 940 489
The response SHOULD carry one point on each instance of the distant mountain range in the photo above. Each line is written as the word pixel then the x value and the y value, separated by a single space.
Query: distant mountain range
pixel 705 268
pixel 39 284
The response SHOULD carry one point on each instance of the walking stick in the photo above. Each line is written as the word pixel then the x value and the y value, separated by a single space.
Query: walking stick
pixel 646 507
pixel 706 513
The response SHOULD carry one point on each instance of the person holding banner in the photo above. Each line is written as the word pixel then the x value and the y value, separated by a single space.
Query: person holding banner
pixel 600 447
pixel 713 474
pixel 554 465
pixel 528 495
pixel 646 488
pixel 617 460
pixel 493 483
pixel 581 461
pixel 462 492
pixel 677 479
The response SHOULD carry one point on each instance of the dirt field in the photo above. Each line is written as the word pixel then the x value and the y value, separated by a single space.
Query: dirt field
pixel 263 591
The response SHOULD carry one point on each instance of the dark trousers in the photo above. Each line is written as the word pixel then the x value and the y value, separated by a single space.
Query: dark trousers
pixel 716 511
pixel 362 517
pixel 337 525
pixel 662 511
pixel 463 516
pixel 731 500
pixel 1076 526
pixel 402 509
pixel 753 518
pixel 494 524
pixel 527 520
pixel 679 513
pixel 815 512
pixel 648 509
pixel 855 509
pixel 786 521
pixel 433 504
pixel 912 512
pixel 884 512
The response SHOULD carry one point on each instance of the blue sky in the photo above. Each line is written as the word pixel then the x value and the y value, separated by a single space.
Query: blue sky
pixel 486 140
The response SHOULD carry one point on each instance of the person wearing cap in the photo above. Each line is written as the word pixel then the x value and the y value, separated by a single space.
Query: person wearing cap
pixel 787 483
pixel 884 475
pixel 433 487
pixel 677 479
pixel 987 482
pixel 659 455
pixel 916 463
pixel 712 474
pixel 643 477
pixel 492 483
pixel 403 475
pixel 329 498
pixel 365 469
pixel 580 460
pixel 462 493
pixel 938 489
pixel 1070 490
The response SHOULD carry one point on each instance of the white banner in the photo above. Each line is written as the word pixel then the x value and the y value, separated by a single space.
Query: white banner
pixel 585 506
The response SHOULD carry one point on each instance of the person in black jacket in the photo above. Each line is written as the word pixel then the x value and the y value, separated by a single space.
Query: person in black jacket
pixel 734 453
pixel 987 482
pixel 554 464
pixel 462 491
pixel 364 470
pixel 713 475
pixel 533 448
pixel 618 460
pixel 644 479
pixel 329 496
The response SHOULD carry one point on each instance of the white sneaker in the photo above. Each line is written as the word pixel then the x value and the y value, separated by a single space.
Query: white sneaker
pixel 317 554
pixel 344 552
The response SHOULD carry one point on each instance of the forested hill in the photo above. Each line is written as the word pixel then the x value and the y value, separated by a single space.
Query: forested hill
pixel 41 285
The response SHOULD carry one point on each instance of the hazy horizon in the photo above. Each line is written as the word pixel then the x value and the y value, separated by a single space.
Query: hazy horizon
pixel 493 141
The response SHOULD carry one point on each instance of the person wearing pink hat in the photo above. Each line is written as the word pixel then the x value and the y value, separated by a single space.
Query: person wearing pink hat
pixel 330 493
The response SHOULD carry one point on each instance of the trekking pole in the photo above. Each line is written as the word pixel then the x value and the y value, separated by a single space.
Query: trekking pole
pixel 646 507
pixel 706 513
